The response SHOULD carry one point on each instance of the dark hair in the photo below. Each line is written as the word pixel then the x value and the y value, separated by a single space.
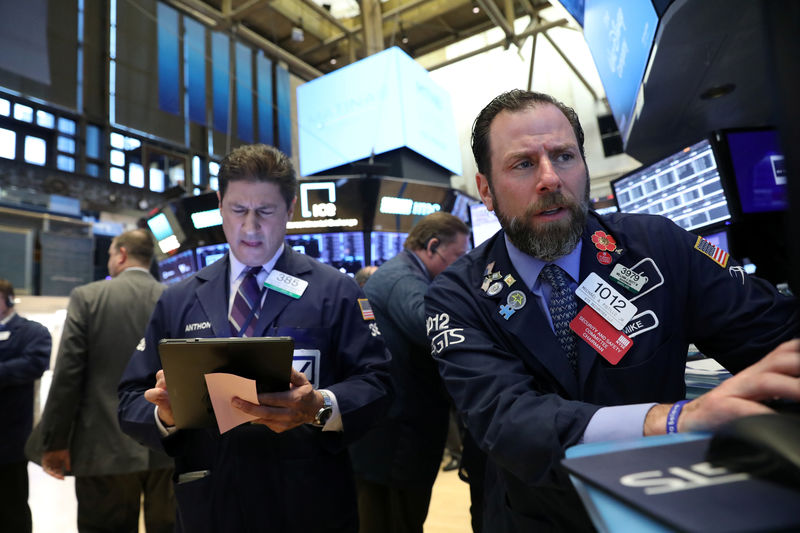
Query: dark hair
pixel 259 162
pixel 8 292
pixel 516 100
pixel 137 243
pixel 440 225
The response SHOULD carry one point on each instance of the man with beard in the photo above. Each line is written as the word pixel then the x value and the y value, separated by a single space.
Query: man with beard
pixel 534 368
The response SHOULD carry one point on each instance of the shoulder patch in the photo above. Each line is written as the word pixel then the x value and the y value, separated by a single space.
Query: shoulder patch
pixel 718 255
pixel 366 309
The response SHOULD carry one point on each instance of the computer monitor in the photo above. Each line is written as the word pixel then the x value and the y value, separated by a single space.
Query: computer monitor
pixel 484 223
pixel 166 230
pixel 757 165
pixel 684 187
pixel 719 238
pixel 177 267
pixel 341 250
pixel 384 245
pixel 211 253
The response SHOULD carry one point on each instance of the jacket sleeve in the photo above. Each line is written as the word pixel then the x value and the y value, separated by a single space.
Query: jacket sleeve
pixel 33 356
pixel 69 376
pixel 136 415
pixel 522 426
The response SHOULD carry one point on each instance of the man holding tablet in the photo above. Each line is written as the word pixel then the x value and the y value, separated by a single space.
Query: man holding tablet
pixel 288 470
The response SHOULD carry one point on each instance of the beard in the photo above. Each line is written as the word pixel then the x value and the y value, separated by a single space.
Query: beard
pixel 549 240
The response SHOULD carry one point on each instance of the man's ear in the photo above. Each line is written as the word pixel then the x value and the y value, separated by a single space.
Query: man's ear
pixel 290 212
pixel 485 192
pixel 123 255
pixel 433 245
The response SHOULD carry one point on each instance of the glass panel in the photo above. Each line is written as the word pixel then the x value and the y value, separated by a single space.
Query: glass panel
pixel 117 141
pixel 45 119
pixel 93 170
pixel 118 158
pixel 117 175
pixel 8 143
pixel 35 150
pixel 23 112
pixel 213 168
pixel 66 125
pixel 156 179
pixel 93 141
pixel 196 170
pixel 136 175
pixel 65 162
pixel 5 107
pixel 65 144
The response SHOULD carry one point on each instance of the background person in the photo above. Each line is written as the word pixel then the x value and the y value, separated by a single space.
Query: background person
pixel 24 356
pixel 526 385
pixel 79 429
pixel 396 462
pixel 289 470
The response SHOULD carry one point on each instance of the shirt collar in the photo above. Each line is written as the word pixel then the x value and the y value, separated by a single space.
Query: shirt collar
pixel 419 262
pixel 237 266
pixel 7 319
pixel 529 267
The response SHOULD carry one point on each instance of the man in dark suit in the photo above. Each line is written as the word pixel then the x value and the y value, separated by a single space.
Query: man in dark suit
pixel 24 356
pixel 79 429
pixel 288 470
pixel 397 461
pixel 532 372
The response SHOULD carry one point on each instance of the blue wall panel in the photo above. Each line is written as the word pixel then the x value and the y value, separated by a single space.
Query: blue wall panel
pixel 196 69
pixel 168 60
pixel 244 92
pixel 264 94
pixel 220 60
pixel 284 100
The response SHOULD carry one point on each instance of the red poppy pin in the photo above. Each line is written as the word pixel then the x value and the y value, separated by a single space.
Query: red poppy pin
pixel 604 242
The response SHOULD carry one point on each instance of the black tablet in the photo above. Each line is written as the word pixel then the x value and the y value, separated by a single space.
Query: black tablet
pixel 267 360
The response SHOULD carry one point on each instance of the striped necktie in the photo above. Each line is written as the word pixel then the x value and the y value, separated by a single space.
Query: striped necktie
pixel 563 309
pixel 246 304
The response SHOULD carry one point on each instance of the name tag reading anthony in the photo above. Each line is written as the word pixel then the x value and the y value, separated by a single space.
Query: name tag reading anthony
pixel 286 284
pixel 605 299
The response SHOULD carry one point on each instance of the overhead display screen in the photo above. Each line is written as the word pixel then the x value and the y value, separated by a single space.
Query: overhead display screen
pixel 401 204
pixel 383 102
pixel 620 34
pixel 684 187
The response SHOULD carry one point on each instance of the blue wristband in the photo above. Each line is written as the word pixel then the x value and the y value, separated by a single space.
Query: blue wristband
pixel 672 417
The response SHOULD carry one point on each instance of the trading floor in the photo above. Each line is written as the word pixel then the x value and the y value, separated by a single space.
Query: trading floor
pixel 54 507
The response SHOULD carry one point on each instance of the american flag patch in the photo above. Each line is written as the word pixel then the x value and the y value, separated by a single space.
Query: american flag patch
pixel 366 309
pixel 718 255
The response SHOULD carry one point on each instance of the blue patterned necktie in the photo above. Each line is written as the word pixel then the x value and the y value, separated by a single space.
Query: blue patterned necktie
pixel 563 309
pixel 246 304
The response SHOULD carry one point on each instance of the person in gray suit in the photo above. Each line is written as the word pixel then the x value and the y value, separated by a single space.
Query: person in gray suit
pixel 80 433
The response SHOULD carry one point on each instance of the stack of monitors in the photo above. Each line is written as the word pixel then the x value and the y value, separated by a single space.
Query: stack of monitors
pixel 209 254
pixel 342 250
pixel 684 187
pixel 384 245
pixel 177 267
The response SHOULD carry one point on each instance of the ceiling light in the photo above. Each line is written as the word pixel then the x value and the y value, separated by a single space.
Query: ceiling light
pixel 298 35
pixel 475 8
pixel 333 60
pixel 403 36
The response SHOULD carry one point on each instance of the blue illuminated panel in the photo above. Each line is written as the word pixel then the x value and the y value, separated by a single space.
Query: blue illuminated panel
pixel 220 61
pixel 264 93
pixel 284 101
pixel 196 69
pixel 758 166
pixel 244 93
pixel 168 60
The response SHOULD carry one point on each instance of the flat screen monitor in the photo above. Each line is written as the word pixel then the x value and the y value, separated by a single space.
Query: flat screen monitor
pixel 401 204
pixel 719 239
pixel 341 250
pixel 620 35
pixel 384 245
pixel 684 187
pixel 166 230
pixel 177 267
pixel 758 168
pixel 484 223
pixel 211 253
